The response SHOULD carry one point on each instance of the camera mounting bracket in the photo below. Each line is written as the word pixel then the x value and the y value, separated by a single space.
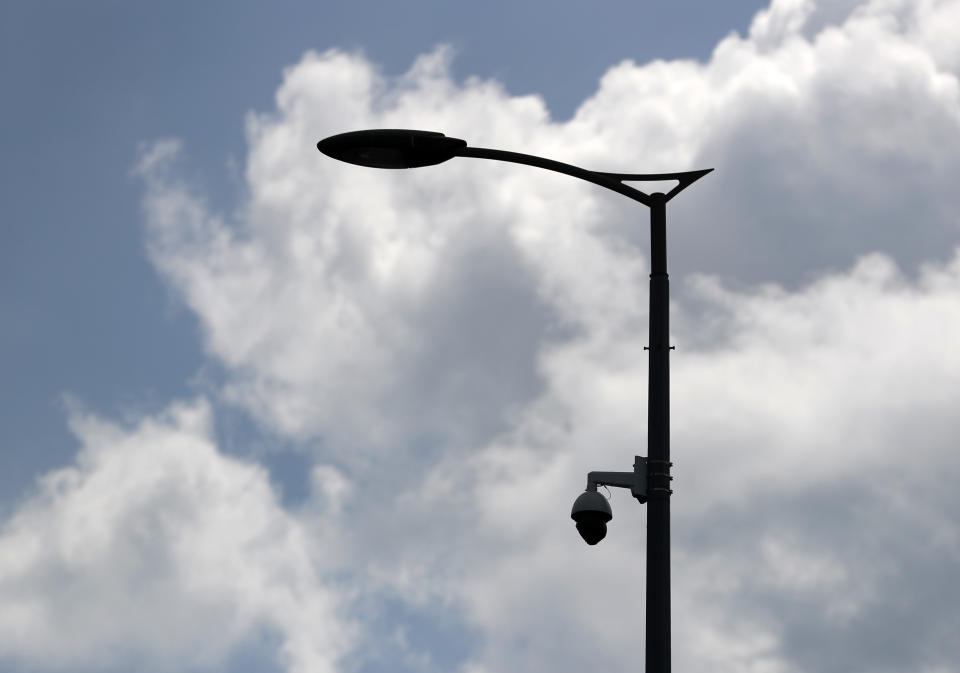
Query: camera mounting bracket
pixel 636 481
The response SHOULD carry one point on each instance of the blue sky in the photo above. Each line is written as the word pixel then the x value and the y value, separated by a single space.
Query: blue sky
pixel 264 411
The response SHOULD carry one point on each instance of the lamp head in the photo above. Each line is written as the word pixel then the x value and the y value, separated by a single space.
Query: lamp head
pixel 391 148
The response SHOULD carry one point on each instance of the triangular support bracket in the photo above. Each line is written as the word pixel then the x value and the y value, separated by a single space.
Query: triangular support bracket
pixel 684 179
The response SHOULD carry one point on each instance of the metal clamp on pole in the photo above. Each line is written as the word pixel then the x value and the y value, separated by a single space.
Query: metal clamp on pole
pixel 659 476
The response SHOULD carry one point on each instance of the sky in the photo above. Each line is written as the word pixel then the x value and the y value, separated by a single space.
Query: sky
pixel 265 411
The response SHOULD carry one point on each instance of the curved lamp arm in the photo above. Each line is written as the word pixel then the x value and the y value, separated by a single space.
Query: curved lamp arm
pixel 612 181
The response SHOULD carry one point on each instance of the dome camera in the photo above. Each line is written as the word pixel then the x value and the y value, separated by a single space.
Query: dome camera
pixel 591 511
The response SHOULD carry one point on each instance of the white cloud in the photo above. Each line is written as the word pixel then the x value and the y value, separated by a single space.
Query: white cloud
pixel 156 552
pixel 466 342
pixel 342 289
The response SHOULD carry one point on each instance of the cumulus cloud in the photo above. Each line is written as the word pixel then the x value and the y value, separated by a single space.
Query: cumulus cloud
pixel 459 345
pixel 156 552
pixel 467 340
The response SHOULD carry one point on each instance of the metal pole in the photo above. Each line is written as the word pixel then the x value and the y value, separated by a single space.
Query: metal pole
pixel 658 447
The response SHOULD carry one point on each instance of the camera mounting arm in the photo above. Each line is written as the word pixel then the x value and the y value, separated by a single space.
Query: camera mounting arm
pixel 636 481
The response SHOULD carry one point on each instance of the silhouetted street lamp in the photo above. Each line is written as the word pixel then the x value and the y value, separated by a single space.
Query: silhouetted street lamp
pixel 650 479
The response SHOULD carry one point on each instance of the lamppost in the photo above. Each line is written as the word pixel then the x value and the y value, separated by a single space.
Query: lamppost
pixel 650 479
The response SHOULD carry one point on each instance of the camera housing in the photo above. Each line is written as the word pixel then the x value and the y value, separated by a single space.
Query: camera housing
pixel 591 512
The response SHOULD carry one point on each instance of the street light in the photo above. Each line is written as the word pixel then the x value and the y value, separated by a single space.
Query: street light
pixel 650 479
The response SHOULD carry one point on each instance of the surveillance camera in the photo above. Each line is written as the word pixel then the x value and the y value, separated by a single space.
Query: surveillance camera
pixel 591 511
